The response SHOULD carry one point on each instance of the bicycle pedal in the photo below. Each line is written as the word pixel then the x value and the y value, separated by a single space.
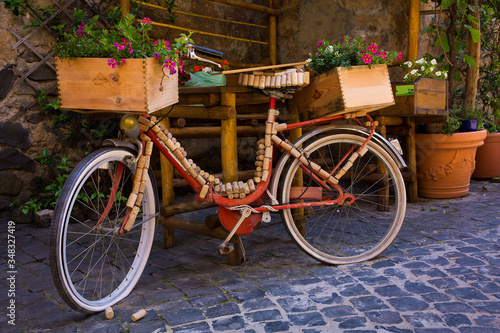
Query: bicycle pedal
pixel 225 248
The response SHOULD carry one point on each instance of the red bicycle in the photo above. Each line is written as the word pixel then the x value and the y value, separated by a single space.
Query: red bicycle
pixel 338 188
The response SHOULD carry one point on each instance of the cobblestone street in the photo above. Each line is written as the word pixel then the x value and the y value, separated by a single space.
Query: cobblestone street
pixel 442 274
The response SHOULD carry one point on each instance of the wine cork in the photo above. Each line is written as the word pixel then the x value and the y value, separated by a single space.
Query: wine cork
pixel 132 199
pixel 109 313
pixel 138 315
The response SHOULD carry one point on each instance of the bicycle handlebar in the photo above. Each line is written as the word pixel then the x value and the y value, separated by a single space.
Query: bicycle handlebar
pixel 208 52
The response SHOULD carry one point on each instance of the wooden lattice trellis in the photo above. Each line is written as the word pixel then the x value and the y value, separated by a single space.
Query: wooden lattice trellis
pixel 62 9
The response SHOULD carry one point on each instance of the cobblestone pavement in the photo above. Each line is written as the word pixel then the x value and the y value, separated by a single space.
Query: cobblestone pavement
pixel 442 274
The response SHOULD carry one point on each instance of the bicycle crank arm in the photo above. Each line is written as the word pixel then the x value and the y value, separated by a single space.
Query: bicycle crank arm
pixel 224 248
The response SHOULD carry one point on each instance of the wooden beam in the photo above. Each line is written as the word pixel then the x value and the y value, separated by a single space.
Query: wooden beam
pixel 200 112
pixel 207 33
pixel 246 5
pixel 272 37
pixel 413 30
pixel 125 4
pixel 229 155
pixel 215 131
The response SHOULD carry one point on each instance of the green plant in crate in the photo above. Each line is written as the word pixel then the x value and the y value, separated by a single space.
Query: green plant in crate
pixel 127 40
pixel 349 52
pixel 424 68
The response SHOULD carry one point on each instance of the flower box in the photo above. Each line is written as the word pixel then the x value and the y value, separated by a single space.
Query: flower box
pixel 429 98
pixel 91 85
pixel 342 90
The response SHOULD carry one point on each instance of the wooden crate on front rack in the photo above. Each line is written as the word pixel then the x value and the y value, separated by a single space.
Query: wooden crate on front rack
pixel 426 99
pixel 91 85
pixel 342 90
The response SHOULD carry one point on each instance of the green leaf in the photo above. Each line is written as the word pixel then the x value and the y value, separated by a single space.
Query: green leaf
pixel 470 61
pixel 475 34
pixel 446 3
pixel 444 42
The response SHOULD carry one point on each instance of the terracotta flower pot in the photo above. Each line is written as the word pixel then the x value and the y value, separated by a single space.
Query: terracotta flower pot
pixel 445 163
pixel 488 157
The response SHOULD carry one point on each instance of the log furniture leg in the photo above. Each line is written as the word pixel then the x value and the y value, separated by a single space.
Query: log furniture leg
pixel 229 155
pixel 167 175
pixel 294 135
pixel 411 160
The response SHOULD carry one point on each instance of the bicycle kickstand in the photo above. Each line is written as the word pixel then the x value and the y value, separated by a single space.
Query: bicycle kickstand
pixel 224 247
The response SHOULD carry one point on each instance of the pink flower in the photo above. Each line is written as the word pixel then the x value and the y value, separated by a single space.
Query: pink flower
pixel 130 49
pixel 112 63
pixel 383 54
pixel 167 45
pixel 320 43
pixel 146 20
pixel 122 63
pixel 169 63
pixel 157 55
pixel 172 71
pixel 400 55
pixel 156 42
pixel 373 48
pixel 342 39
pixel 367 59
pixel 181 66
pixel 120 46
pixel 81 28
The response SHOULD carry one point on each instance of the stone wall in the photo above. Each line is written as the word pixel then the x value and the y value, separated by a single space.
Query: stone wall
pixel 24 134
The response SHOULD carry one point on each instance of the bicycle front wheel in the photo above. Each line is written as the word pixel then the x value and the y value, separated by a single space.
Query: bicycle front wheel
pixel 93 266
pixel 349 232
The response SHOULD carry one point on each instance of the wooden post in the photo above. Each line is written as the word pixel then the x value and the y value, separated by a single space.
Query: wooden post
pixel 125 4
pixel 413 29
pixel 412 186
pixel 383 194
pixel 272 37
pixel 229 154
pixel 298 213
pixel 474 51
pixel 167 190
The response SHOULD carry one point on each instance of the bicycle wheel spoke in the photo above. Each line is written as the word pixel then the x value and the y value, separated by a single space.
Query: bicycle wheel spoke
pixel 96 265
pixel 352 231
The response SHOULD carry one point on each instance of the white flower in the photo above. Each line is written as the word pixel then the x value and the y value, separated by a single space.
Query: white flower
pixel 406 76
pixel 413 72
pixel 438 73
pixel 445 75
pixel 420 61
pixel 329 49
pixel 433 62
pixel 207 69
pixel 408 63
pixel 431 69
pixel 309 60
pixel 422 68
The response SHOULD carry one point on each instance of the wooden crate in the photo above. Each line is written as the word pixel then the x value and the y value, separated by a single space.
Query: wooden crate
pixel 91 85
pixel 343 90
pixel 429 101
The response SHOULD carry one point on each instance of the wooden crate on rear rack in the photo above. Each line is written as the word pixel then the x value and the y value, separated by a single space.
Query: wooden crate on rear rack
pixel 426 99
pixel 139 86
pixel 343 90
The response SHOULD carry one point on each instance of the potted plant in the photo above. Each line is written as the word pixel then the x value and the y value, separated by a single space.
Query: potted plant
pixel 488 155
pixel 351 75
pixel 446 159
pixel 120 69
pixel 488 91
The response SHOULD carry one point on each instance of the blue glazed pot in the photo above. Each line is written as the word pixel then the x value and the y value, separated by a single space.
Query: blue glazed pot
pixel 469 125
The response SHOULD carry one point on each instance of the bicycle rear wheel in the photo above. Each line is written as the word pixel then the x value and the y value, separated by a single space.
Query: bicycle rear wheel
pixel 93 266
pixel 346 233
